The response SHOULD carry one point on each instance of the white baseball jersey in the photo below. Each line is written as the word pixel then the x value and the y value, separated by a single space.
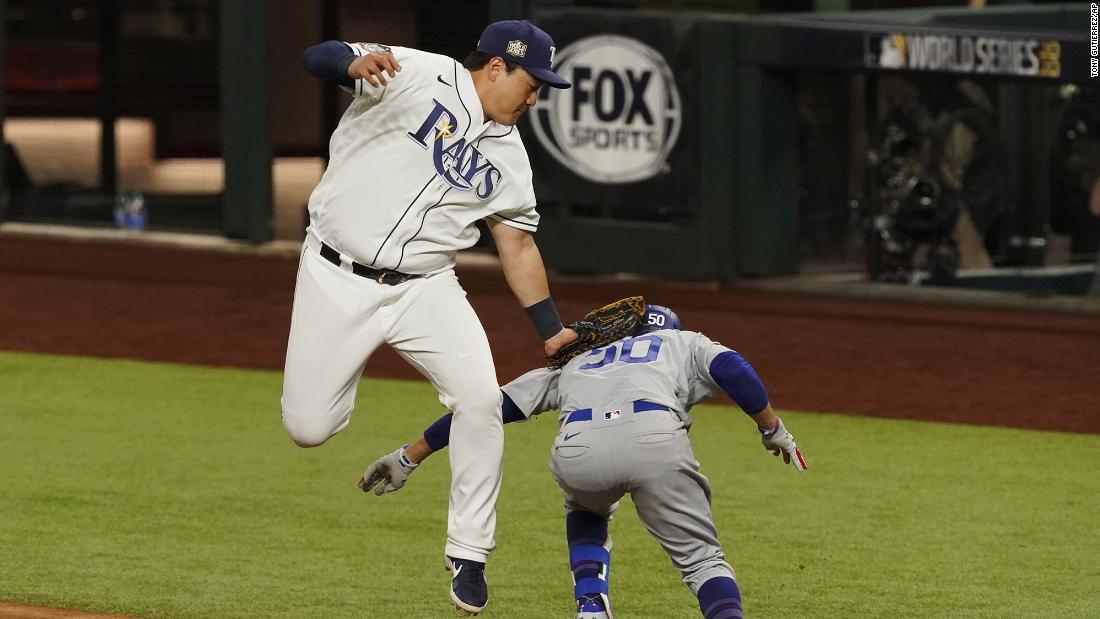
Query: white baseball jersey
pixel 668 367
pixel 413 165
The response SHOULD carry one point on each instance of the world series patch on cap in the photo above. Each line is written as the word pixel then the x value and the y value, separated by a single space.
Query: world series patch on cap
pixel 525 44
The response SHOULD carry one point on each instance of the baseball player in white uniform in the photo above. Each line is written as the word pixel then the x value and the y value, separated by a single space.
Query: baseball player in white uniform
pixel 624 421
pixel 427 148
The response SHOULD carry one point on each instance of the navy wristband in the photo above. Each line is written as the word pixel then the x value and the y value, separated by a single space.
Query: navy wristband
pixel 545 318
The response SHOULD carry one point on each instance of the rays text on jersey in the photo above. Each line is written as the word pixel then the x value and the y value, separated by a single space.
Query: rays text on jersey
pixel 458 162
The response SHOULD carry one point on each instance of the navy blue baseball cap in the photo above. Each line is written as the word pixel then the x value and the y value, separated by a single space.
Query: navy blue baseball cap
pixel 525 44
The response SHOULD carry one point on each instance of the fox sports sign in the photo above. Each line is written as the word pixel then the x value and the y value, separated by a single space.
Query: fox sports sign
pixel 621 118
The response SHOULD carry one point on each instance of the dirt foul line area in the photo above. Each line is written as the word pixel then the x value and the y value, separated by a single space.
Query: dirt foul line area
pixel 9 610
pixel 956 364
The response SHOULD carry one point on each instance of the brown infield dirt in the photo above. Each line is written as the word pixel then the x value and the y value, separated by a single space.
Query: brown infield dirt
pixel 976 366
pixel 942 363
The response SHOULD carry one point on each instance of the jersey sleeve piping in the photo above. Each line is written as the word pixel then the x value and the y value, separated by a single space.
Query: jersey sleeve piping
pixel 514 223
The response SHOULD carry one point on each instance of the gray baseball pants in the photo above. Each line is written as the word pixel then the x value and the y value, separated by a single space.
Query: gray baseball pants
pixel 647 455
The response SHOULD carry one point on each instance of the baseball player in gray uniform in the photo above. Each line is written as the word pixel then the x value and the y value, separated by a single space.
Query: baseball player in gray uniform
pixel 427 148
pixel 624 422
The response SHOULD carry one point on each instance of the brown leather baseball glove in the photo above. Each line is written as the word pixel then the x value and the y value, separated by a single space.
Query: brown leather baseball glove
pixel 600 326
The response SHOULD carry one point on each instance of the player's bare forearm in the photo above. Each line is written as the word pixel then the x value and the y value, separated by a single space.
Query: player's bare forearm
pixel 521 262
pixel 418 450
pixel 526 276
pixel 765 419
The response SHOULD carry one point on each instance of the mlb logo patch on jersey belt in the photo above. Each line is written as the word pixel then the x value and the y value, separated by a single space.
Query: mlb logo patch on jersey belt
pixel 585 414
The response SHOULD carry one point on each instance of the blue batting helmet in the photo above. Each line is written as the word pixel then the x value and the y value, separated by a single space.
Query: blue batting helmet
pixel 657 317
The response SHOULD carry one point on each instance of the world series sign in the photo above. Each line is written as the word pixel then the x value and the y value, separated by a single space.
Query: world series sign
pixel 978 55
pixel 1058 55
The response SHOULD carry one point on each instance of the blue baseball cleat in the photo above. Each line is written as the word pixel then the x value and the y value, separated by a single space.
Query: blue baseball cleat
pixel 468 589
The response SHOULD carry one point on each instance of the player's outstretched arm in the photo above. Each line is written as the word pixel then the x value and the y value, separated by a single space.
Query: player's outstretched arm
pixel 526 276
pixel 391 471
pixel 739 380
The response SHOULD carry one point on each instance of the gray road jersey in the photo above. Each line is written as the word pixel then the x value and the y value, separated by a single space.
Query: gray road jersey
pixel 666 367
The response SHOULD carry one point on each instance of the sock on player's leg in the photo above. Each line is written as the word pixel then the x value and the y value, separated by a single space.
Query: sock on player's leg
pixel 589 558
pixel 719 598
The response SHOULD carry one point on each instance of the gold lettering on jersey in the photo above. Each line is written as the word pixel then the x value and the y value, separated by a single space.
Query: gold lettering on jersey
pixel 445 131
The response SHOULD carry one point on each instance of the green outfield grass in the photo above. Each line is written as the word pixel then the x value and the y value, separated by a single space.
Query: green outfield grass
pixel 170 491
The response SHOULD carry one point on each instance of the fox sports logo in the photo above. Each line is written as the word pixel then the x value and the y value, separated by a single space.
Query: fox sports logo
pixel 621 118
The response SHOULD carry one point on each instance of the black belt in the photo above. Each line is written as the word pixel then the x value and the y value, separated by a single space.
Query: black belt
pixel 382 276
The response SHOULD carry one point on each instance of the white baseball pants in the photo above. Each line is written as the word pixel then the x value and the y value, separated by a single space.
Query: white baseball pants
pixel 340 318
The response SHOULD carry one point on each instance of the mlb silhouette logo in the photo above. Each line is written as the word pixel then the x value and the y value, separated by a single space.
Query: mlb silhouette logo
pixel 615 414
